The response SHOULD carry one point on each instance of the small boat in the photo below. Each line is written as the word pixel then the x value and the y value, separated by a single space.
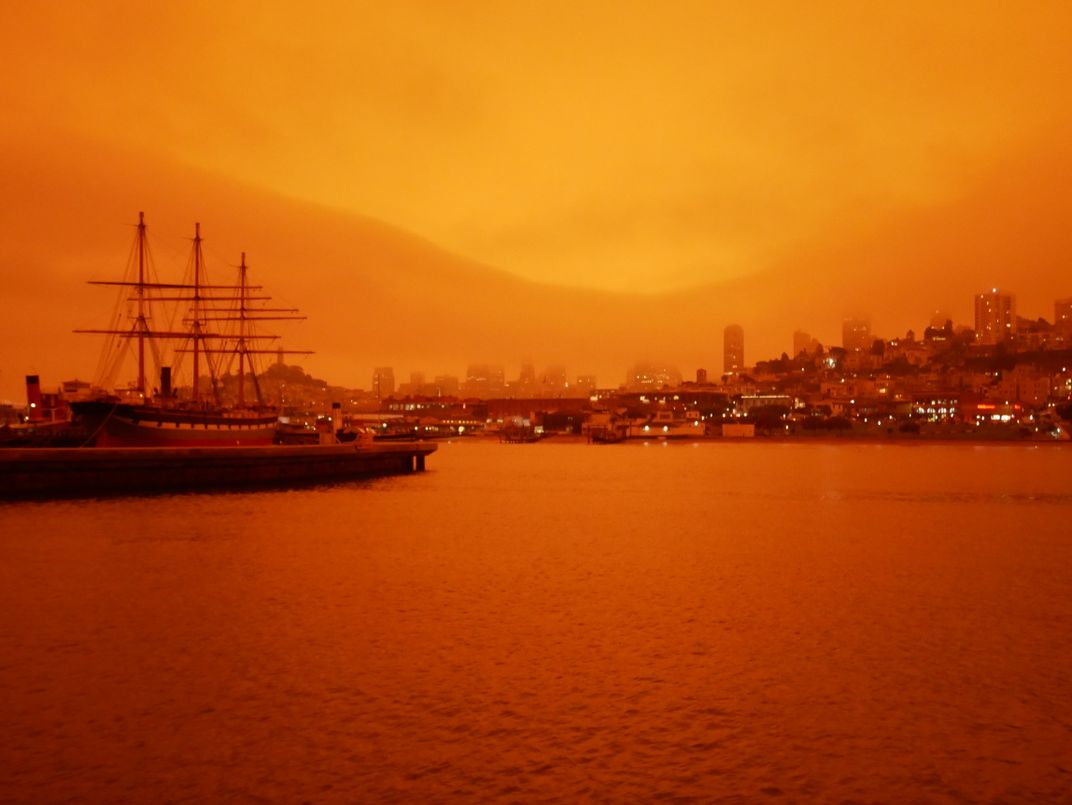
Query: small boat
pixel 519 433
pixel 607 435
pixel 45 422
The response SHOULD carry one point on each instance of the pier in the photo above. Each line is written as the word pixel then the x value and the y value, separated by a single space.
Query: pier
pixel 73 472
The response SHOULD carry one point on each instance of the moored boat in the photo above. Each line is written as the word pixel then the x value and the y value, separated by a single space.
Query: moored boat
pixel 160 417
pixel 118 424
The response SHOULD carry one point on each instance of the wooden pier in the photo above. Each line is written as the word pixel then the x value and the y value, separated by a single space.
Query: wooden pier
pixel 72 471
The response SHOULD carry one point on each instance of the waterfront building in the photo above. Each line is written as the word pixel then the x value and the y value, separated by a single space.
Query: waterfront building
pixel 733 349
pixel 1027 385
pixel 995 317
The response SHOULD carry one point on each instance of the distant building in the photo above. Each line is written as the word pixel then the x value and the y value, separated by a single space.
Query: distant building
pixel 484 381
pixel 447 386
pixel 1027 385
pixel 586 384
pixel 804 343
pixel 856 335
pixel 701 376
pixel 733 349
pixel 1062 315
pixel 995 317
pixel 383 382
pixel 528 373
pixel 554 380
pixel 651 377
pixel 417 387
pixel 939 318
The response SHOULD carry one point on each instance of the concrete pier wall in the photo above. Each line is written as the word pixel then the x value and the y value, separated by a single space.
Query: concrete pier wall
pixel 47 472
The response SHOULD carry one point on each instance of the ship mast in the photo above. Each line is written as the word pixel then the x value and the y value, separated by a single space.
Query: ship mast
pixel 196 324
pixel 242 333
pixel 246 316
pixel 142 325
pixel 204 298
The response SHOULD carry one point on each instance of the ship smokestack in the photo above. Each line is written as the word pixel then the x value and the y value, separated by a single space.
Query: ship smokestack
pixel 33 398
pixel 165 382
pixel 325 431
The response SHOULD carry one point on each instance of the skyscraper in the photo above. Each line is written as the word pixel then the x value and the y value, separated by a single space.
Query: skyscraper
pixel 484 380
pixel 383 382
pixel 995 317
pixel 803 342
pixel 856 335
pixel 733 349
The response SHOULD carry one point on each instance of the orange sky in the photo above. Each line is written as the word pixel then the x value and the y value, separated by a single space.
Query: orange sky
pixel 603 146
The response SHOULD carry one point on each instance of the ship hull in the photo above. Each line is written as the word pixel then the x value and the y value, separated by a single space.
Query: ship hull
pixel 123 425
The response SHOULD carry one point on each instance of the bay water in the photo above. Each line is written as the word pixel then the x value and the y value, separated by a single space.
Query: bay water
pixel 555 622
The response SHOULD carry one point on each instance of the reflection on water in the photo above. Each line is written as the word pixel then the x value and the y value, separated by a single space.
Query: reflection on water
pixel 555 622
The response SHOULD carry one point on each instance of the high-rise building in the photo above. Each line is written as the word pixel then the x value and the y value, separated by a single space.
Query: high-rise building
pixel 528 374
pixel 701 377
pixel 733 349
pixel 417 386
pixel 995 317
pixel 447 386
pixel 553 381
pixel 484 380
pixel 804 343
pixel 383 382
pixel 856 335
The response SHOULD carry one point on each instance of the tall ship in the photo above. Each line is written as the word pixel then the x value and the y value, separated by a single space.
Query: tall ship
pixel 215 327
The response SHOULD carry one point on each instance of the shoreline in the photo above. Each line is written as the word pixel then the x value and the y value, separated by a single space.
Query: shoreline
pixel 826 440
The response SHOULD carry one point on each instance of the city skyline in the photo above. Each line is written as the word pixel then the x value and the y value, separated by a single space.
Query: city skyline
pixel 607 200
pixel 856 335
